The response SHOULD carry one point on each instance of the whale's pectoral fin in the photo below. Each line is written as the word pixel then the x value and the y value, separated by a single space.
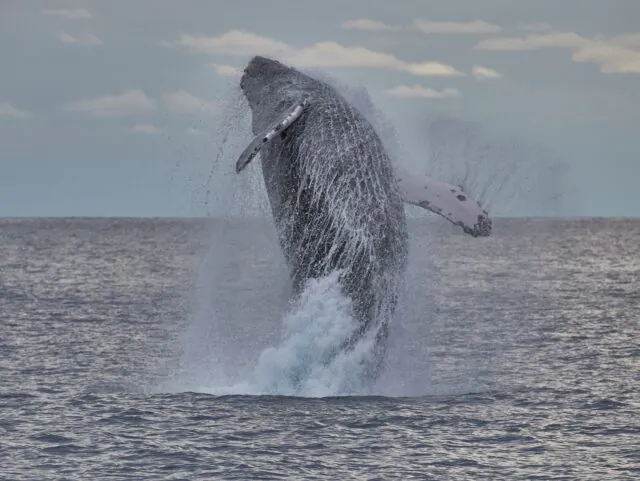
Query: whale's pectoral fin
pixel 279 126
pixel 449 201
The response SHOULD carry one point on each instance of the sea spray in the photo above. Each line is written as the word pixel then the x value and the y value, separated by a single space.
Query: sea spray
pixel 206 157
pixel 309 361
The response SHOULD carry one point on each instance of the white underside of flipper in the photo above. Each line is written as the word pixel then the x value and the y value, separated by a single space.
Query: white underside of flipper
pixel 279 126
pixel 446 200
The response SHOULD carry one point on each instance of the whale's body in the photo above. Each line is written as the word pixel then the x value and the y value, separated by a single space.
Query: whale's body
pixel 335 199
pixel 333 195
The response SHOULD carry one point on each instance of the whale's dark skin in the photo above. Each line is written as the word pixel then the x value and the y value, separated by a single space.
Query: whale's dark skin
pixel 333 195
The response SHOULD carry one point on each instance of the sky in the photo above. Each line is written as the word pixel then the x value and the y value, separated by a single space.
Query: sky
pixel 115 108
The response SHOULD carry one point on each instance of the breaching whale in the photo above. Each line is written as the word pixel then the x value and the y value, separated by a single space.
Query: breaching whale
pixel 336 202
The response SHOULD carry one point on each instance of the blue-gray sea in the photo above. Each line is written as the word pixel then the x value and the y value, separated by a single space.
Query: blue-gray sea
pixel 155 349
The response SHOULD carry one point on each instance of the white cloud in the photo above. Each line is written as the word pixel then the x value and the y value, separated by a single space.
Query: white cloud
pixel 68 13
pixel 146 129
pixel 611 58
pixel 474 27
pixel 234 42
pixel 418 91
pixel 226 70
pixel 318 55
pixel 535 27
pixel 8 110
pixel 615 55
pixel 485 73
pixel 83 39
pixel 531 42
pixel 136 102
pixel 368 25
pixel 332 54
pixel 185 103
pixel 130 102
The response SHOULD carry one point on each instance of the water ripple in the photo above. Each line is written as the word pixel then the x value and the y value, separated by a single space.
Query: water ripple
pixel 518 361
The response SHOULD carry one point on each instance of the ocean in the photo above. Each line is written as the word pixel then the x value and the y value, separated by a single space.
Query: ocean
pixel 161 348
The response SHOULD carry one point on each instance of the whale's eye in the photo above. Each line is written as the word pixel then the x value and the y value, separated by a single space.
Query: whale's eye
pixel 461 198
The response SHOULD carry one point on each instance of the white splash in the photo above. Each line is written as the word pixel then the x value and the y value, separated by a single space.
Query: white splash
pixel 307 362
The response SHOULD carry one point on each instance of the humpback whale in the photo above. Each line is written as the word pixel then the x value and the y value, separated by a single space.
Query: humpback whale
pixel 337 203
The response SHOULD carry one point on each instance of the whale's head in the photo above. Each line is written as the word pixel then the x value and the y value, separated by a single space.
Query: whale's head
pixel 276 97
pixel 270 88
pixel 262 76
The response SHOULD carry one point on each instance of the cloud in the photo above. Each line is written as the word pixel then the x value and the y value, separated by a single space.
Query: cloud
pixel 613 55
pixel 485 73
pixel 184 103
pixel 8 110
pixel 137 102
pixel 332 54
pixel 418 91
pixel 318 55
pixel 535 27
pixel 130 102
pixel 226 70
pixel 234 42
pixel 368 25
pixel 83 39
pixel 610 57
pixel 474 27
pixel 146 129
pixel 531 42
pixel 68 13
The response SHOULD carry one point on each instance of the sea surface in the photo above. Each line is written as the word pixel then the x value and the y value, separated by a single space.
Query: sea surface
pixel 155 349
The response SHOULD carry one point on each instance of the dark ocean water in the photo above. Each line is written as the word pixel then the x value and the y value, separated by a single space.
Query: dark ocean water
pixel 135 349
